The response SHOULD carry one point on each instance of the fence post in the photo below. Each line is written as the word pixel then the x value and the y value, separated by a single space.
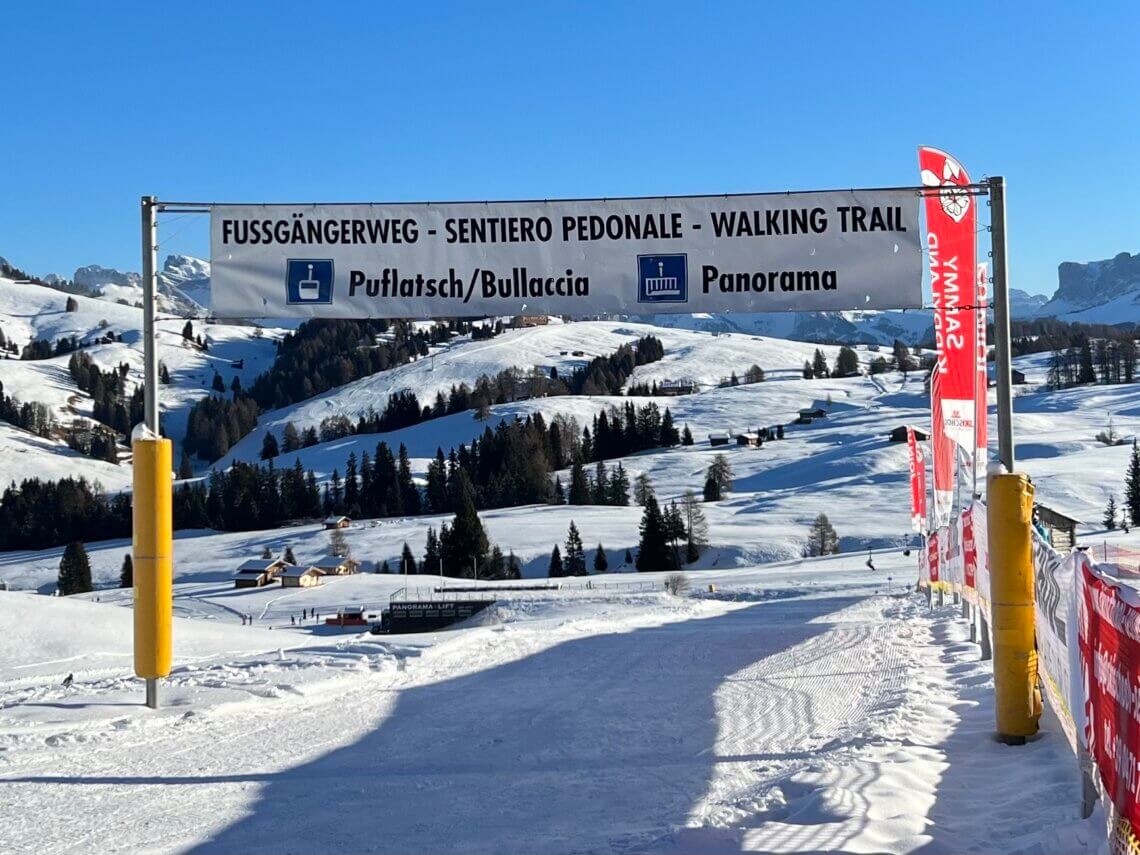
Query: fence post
pixel 1017 699
pixel 984 636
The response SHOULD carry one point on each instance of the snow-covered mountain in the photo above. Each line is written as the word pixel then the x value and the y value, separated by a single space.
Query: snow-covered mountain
pixel 183 285
pixel 911 326
pixel 1099 292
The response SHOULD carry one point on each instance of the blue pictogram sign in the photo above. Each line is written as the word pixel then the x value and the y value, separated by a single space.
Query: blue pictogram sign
pixel 309 280
pixel 663 278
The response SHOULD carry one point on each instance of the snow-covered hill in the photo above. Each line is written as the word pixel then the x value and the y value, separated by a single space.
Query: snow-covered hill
pixel 29 311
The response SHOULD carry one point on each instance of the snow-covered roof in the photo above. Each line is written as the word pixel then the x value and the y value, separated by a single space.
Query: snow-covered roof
pixel 259 565
pixel 336 519
pixel 326 562
pixel 299 570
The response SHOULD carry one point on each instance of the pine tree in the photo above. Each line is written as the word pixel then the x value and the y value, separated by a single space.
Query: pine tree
pixel 266 552
pixel 653 551
pixel 1110 514
pixel 163 374
pixel 409 494
pixel 431 553
pixel 819 365
pixel 575 561
pixel 559 491
pixel 1132 486
pixel 185 467
pixel 822 539
pixel 496 565
pixel 218 385
pixel 619 487
pixel 902 357
pixel 513 569
pixel 408 560
pixel 686 436
pixel 721 472
pixel 383 567
pixel 1085 371
pixel 601 490
pixel 580 493
pixel 127 573
pixel 188 331
pixel 72 305
pixel 847 362
pixel 674 530
pixel 669 435
pixel 628 557
pixel 696 526
pixel 464 546
pixel 807 372
pixel 642 489
pixel 290 439
pixel 601 565
pixel 74 571
pixel 269 448
pixel 555 569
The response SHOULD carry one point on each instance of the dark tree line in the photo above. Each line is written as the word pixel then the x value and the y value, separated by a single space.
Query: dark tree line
pixel 112 405
pixel 29 415
pixel 403 409
pixel 320 355
pixel 1102 360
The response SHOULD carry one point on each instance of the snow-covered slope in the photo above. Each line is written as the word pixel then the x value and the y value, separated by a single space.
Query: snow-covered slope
pixel 814 706
pixel 29 311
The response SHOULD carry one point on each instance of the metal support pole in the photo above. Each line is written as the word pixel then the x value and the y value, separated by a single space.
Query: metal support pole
pixel 150 349
pixel 150 289
pixel 1002 357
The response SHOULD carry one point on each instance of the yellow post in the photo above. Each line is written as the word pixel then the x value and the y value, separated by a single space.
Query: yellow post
pixel 1010 517
pixel 153 549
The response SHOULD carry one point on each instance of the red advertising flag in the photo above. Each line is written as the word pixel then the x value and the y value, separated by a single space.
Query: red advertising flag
pixel 951 224
pixel 969 550
pixel 1109 642
pixel 942 452
pixel 917 482
pixel 932 556
pixel 981 426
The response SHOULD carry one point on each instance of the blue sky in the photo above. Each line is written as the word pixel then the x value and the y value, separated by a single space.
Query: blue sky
pixel 386 102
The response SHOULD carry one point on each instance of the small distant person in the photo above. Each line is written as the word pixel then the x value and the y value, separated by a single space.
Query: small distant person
pixel 68 680
pixel 870 564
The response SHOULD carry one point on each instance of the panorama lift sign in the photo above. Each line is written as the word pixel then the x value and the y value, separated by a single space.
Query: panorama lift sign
pixel 815 251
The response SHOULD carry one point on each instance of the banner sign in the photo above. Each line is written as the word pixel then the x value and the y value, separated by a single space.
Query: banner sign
pixel 969 554
pixel 951 225
pixel 932 559
pixel 1109 638
pixel 917 481
pixel 980 527
pixel 1054 586
pixel 942 452
pixel 982 383
pixel 822 251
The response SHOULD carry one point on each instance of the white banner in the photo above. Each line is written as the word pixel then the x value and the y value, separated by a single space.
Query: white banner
pixel 1055 583
pixel 849 249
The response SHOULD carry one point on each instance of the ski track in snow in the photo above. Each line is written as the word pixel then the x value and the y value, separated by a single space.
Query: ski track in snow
pixel 834 720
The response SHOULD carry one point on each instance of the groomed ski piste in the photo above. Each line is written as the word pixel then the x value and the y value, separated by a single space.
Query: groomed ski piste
pixel 804 706
pixel 781 704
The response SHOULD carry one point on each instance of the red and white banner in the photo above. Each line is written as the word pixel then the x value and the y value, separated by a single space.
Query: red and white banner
pixel 1109 638
pixel 942 452
pixel 981 386
pixel 951 224
pixel 969 554
pixel 917 481
pixel 933 563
